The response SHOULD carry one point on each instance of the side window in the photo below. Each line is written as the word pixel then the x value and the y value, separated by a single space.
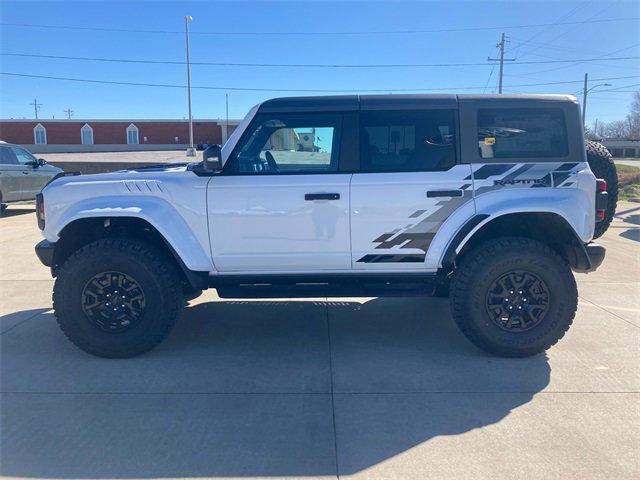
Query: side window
pixel 7 157
pixel 22 155
pixel 403 141
pixel 288 143
pixel 522 133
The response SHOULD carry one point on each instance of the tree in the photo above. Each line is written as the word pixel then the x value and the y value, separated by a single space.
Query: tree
pixel 633 118
pixel 616 129
pixel 627 129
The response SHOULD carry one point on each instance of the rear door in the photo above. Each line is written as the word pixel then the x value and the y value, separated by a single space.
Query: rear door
pixel 409 183
pixel 282 202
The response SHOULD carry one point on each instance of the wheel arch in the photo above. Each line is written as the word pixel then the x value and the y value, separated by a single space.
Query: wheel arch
pixel 84 230
pixel 549 228
pixel 185 230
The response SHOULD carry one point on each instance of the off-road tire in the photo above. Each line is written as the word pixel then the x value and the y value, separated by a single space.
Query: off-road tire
pixel 602 165
pixel 478 271
pixel 157 276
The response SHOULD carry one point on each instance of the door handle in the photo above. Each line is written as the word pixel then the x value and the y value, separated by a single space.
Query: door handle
pixel 24 172
pixel 444 193
pixel 321 196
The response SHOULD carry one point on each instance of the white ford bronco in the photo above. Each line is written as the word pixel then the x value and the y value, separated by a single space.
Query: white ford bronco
pixel 487 199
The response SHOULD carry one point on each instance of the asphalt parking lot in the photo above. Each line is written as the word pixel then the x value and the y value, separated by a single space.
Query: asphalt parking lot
pixel 358 387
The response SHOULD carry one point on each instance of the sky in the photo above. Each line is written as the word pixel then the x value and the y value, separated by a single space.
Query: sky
pixel 326 33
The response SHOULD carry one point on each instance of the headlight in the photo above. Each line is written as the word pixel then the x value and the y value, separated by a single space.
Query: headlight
pixel 40 210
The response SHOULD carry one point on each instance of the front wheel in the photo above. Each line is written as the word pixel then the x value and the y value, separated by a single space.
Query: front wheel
pixel 513 297
pixel 117 297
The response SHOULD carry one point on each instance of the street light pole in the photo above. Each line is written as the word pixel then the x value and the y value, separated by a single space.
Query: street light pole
pixel 585 91
pixel 191 152
pixel 584 101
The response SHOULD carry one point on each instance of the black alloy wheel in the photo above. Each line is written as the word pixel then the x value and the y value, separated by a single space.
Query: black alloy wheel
pixel 113 301
pixel 517 301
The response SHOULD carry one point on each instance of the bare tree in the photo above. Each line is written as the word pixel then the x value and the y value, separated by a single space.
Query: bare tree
pixel 633 118
pixel 617 129
pixel 597 131
pixel 628 129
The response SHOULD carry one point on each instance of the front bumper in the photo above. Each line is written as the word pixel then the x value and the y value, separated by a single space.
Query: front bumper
pixel 44 251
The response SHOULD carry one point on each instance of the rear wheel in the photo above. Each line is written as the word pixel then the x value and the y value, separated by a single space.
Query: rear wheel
pixel 602 165
pixel 513 297
pixel 117 297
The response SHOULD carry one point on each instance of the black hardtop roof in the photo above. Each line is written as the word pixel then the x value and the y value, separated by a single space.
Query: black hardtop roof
pixel 333 103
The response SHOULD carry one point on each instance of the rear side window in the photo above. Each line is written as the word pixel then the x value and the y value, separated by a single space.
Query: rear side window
pixel 522 133
pixel 7 157
pixel 404 141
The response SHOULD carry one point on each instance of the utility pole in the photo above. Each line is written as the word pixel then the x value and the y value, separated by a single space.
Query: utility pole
pixel 226 102
pixel 69 112
pixel 36 106
pixel 191 152
pixel 501 45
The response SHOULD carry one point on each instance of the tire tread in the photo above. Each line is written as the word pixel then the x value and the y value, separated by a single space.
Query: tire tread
pixel 462 284
pixel 164 270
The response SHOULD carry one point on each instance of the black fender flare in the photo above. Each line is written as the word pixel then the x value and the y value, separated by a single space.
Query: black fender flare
pixel 573 250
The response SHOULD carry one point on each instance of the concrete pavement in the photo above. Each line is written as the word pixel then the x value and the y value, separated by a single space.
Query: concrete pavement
pixel 360 387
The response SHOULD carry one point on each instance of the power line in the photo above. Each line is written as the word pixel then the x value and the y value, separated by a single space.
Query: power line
pixel 307 65
pixel 567 30
pixel 493 67
pixel 300 90
pixel 354 33
pixel 557 22
pixel 577 62
pixel 519 42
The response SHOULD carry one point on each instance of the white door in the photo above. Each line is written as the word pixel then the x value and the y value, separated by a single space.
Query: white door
pixel 281 204
pixel 408 186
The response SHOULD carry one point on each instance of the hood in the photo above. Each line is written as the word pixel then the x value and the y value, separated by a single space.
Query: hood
pixel 160 167
pixel 151 172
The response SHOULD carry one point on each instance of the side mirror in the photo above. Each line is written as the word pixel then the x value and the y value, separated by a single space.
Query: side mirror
pixel 212 158
pixel 41 162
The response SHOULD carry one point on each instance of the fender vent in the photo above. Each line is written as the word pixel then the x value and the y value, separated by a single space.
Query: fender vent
pixel 144 186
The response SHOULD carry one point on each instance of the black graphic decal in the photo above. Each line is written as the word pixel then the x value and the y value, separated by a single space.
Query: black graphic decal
pixel 487 171
pixel 406 258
